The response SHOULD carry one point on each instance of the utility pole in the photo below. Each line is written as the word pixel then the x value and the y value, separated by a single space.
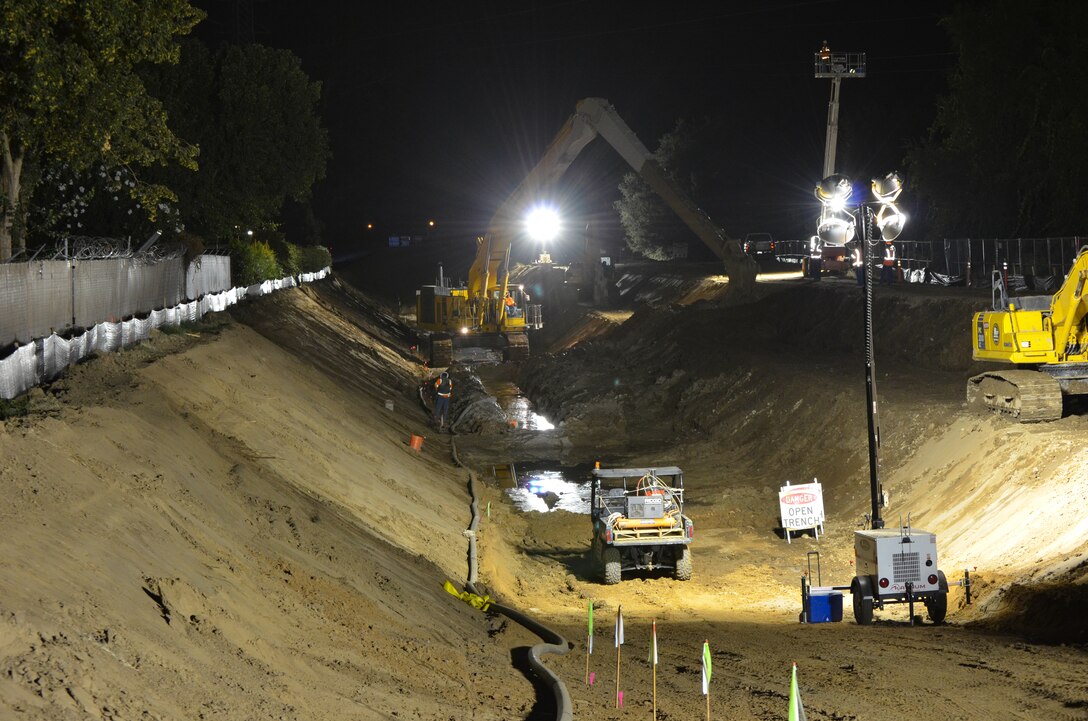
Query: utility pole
pixel 836 66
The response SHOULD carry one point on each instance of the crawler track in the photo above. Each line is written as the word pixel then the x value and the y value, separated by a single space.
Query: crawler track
pixel 1028 396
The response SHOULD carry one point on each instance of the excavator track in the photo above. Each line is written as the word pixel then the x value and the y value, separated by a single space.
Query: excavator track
pixel 517 347
pixel 1028 396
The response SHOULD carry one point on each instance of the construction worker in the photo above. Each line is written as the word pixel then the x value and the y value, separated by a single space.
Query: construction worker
pixel 443 387
pixel 887 270
pixel 815 256
pixel 511 306
pixel 859 263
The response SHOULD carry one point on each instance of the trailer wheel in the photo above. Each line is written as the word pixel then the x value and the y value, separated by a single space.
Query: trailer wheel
pixel 683 564
pixel 862 591
pixel 937 606
pixel 612 572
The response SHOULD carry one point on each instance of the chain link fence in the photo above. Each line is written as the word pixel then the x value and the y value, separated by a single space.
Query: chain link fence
pixel 1027 264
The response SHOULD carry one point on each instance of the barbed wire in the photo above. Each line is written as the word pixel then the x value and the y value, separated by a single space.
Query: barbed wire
pixel 82 247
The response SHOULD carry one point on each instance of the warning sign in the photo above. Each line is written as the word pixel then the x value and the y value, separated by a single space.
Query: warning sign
pixel 801 507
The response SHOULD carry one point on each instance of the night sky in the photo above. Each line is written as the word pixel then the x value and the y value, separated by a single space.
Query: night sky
pixel 437 111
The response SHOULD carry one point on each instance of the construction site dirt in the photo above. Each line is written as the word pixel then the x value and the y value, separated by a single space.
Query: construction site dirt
pixel 230 521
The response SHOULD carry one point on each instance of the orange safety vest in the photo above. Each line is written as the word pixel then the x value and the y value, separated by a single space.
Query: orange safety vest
pixel 448 388
pixel 889 255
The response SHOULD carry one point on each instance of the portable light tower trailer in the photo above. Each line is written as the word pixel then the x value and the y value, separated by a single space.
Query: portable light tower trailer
pixel 897 566
pixel 892 565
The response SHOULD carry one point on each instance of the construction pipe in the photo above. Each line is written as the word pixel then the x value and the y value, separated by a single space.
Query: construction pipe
pixel 553 642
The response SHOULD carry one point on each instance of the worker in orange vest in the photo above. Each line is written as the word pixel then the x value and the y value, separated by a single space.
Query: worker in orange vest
pixel 887 270
pixel 443 387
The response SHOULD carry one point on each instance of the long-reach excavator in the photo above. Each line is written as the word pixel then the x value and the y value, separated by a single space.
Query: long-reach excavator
pixel 1046 337
pixel 480 314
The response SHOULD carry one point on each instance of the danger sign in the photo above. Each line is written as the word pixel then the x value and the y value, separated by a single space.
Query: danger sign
pixel 801 507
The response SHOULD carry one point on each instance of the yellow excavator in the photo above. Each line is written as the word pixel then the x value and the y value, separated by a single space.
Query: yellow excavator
pixel 480 314
pixel 1045 337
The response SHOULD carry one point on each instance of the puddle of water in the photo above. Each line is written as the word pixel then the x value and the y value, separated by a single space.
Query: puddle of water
pixel 519 409
pixel 549 489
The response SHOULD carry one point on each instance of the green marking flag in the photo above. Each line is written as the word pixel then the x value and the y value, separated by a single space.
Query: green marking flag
pixel 652 658
pixel 706 668
pixel 797 710
pixel 589 634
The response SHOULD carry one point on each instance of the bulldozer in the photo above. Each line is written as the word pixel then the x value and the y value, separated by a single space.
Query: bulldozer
pixel 1044 337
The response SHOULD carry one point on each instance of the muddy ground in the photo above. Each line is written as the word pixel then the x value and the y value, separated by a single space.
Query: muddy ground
pixel 229 522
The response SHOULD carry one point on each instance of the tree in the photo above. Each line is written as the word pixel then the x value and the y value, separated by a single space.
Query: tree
pixel 652 229
pixel 1004 156
pixel 253 112
pixel 69 93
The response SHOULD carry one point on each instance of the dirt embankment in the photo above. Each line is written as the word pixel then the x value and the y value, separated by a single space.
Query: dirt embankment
pixel 228 523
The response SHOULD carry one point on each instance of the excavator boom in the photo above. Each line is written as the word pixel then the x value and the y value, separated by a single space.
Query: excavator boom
pixel 478 308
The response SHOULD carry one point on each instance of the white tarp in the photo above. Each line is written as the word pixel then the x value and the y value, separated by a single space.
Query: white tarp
pixel 45 358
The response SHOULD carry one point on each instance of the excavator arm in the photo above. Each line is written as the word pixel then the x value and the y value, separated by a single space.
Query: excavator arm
pixel 1068 309
pixel 593 117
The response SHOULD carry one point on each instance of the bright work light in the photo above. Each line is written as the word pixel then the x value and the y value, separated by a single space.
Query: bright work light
pixel 889 219
pixel 543 223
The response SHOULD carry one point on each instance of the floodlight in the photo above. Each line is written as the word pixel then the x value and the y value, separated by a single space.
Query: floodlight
pixel 890 221
pixel 834 191
pixel 835 228
pixel 888 188
pixel 543 223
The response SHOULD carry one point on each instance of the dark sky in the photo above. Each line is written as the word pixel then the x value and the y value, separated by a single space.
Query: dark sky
pixel 437 110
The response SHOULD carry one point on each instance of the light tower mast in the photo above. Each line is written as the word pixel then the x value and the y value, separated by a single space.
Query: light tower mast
pixel 836 66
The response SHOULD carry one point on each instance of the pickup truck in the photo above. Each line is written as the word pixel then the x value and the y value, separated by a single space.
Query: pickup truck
pixel 759 244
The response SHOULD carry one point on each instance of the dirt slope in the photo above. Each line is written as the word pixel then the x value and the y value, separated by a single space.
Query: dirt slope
pixel 228 522
pixel 238 530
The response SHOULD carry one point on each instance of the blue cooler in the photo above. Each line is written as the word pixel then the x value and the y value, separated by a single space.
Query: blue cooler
pixel 824 605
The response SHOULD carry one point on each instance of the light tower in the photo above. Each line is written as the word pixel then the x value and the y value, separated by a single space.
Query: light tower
pixel 836 66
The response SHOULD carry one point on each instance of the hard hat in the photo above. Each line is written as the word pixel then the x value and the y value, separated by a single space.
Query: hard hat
pixel 445 374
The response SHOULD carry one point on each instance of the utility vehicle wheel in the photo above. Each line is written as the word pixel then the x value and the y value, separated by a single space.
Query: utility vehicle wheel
pixel 862 590
pixel 937 606
pixel 611 558
pixel 683 564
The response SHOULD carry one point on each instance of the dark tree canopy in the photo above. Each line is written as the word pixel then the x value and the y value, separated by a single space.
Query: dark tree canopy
pixel 70 94
pixel 1010 140
pixel 687 153
pixel 253 112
